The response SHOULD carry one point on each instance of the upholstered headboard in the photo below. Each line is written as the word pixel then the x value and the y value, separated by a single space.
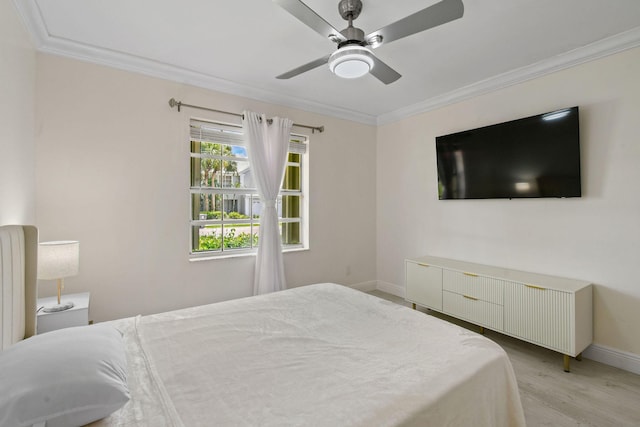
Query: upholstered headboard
pixel 18 283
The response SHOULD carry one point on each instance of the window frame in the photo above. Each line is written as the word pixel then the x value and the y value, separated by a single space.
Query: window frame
pixel 299 144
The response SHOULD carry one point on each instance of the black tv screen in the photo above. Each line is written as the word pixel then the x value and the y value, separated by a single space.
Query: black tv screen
pixel 538 156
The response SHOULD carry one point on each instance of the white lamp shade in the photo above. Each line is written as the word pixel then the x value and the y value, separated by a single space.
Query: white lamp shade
pixel 58 259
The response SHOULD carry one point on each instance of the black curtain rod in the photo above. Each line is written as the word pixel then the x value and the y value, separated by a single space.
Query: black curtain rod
pixel 179 104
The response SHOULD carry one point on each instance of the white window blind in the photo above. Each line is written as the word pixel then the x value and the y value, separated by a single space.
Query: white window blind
pixel 227 134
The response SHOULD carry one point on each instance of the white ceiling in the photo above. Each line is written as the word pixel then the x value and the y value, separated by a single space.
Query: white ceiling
pixel 239 46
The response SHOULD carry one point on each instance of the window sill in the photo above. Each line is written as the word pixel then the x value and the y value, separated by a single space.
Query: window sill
pixel 198 258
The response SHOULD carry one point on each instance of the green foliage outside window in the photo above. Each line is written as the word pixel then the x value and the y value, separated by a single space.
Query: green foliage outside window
pixel 231 241
pixel 225 215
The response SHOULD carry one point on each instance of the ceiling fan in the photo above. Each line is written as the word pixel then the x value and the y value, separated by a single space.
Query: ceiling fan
pixel 354 57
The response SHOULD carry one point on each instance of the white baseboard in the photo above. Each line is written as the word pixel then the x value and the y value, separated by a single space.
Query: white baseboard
pixel 613 357
pixel 390 288
pixel 373 285
pixel 365 286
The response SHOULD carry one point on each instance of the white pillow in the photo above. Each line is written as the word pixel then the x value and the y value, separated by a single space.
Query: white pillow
pixel 69 377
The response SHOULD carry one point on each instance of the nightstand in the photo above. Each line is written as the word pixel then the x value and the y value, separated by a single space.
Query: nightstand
pixel 78 315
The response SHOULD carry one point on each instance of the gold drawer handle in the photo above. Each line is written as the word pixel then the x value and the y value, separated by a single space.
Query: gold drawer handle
pixel 471 298
pixel 424 265
pixel 536 287
pixel 470 274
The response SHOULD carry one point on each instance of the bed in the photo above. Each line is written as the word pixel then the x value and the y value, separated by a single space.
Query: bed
pixel 318 355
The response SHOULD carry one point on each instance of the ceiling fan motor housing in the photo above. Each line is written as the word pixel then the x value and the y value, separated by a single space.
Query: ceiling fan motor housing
pixel 353 35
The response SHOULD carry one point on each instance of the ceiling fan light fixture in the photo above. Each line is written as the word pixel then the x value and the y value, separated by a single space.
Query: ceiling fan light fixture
pixel 350 62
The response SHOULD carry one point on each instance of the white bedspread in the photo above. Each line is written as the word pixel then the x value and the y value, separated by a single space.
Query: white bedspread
pixel 320 355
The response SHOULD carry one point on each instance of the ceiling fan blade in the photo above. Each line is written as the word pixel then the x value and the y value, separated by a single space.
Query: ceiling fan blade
pixel 304 68
pixel 383 72
pixel 432 16
pixel 308 17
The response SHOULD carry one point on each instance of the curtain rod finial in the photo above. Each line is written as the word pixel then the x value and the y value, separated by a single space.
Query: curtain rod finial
pixel 173 103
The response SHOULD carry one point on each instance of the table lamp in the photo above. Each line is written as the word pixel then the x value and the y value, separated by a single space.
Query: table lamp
pixel 57 260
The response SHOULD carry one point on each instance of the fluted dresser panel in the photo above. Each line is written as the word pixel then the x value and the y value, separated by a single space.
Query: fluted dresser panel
pixel 549 311
pixel 535 315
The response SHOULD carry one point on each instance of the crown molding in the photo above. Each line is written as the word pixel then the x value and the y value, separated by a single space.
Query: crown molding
pixel 135 64
pixel 44 42
pixel 32 19
pixel 593 51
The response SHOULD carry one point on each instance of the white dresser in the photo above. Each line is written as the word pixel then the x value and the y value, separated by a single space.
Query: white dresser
pixel 549 311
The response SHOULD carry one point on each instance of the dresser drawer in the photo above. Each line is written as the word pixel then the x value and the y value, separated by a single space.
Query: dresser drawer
pixel 423 284
pixel 480 287
pixel 473 310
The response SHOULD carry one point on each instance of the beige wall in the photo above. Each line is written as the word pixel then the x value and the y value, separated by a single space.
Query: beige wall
pixel 596 237
pixel 17 111
pixel 113 172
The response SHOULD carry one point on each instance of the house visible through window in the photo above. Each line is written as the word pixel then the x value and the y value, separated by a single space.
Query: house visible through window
pixel 225 206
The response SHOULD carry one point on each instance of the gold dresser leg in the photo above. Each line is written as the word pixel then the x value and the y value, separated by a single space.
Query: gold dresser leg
pixel 566 362
pixel 482 330
pixel 414 305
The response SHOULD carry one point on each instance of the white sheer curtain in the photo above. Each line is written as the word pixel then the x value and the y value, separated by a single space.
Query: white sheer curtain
pixel 268 145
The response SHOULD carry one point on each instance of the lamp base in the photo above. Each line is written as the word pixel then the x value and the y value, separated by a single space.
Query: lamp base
pixel 58 307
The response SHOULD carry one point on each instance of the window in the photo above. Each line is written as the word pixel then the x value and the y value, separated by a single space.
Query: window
pixel 225 206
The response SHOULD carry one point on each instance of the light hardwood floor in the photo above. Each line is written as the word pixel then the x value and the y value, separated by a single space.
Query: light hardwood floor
pixel 592 394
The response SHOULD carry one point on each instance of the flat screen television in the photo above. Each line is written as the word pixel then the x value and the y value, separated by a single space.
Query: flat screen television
pixel 537 156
